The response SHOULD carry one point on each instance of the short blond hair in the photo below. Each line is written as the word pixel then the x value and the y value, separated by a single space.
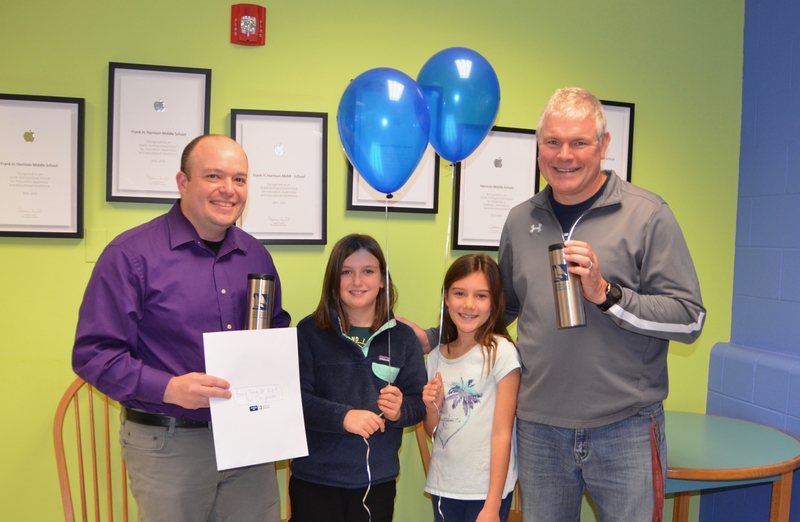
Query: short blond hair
pixel 575 103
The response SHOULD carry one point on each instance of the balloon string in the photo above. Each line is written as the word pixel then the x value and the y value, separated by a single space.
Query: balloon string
pixel 388 296
pixel 447 247
pixel 389 333
pixel 438 474
pixel 369 483
pixel 441 322
pixel 369 479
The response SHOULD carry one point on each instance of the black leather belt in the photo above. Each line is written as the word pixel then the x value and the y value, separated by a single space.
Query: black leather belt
pixel 159 419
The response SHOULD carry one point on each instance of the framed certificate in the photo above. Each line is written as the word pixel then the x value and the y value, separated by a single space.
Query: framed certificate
pixel 499 175
pixel 153 112
pixel 619 122
pixel 420 194
pixel 287 184
pixel 41 166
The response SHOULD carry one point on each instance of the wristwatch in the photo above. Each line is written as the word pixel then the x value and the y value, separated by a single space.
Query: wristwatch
pixel 613 295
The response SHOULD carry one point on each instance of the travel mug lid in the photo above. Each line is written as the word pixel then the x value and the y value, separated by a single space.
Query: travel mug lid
pixel 260 276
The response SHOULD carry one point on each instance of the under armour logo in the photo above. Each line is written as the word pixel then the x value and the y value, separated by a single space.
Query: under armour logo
pixel 536 228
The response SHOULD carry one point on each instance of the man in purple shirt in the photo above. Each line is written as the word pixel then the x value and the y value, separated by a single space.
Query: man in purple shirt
pixel 154 291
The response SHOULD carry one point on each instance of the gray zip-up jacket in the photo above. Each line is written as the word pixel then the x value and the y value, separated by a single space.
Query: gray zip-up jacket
pixel 617 364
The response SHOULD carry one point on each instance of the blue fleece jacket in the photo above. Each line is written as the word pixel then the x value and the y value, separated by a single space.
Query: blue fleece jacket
pixel 336 377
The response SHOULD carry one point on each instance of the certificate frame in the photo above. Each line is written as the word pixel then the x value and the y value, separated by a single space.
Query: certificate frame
pixel 41 193
pixel 619 122
pixel 287 153
pixel 478 184
pixel 154 111
pixel 420 194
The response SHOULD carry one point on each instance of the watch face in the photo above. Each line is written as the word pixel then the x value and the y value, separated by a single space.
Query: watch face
pixel 613 295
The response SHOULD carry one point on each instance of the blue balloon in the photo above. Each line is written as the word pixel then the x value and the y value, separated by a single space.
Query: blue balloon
pixel 463 96
pixel 384 123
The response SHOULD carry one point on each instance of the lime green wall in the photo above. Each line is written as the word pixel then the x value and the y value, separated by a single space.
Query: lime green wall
pixel 680 62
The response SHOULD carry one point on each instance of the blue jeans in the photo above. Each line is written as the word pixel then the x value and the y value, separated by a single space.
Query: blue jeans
pixel 613 462
pixel 455 510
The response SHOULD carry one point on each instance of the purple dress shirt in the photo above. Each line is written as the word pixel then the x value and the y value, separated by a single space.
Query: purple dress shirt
pixel 153 293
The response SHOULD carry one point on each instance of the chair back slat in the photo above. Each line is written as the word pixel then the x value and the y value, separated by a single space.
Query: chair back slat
pixel 287 473
pixel 515 515
pixel 107 440
pixel 58 441
pixel 424 449
pixel 93 447
pixel 81 472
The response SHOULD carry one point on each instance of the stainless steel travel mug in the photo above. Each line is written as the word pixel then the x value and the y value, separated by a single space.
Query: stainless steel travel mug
pixel 260 301
pixel 570 311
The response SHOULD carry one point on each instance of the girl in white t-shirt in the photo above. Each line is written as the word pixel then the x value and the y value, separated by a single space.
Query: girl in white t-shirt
pixel 471 398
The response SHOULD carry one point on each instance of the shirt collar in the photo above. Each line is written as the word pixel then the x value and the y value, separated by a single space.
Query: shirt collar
pixel 181 231
pixel 612 194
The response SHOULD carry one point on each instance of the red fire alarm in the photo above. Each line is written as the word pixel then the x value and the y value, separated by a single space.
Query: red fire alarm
pixel 248 24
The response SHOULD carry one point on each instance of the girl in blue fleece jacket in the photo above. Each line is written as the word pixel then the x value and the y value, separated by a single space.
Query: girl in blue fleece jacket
pixel 361 376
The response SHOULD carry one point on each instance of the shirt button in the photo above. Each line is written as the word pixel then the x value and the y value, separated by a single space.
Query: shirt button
pixel 229 327
pixel 224 291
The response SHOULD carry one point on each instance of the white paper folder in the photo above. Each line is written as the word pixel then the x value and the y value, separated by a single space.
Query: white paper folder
pixel 263 421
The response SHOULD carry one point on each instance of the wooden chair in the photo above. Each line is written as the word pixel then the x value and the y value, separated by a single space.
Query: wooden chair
pixel 284 467
pixel 101 483
pixel 86 419
pixel 515 515
pixel 425 453
pixel 424 448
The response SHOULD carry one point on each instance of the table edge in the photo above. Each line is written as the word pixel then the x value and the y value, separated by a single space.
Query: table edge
pixel 769 470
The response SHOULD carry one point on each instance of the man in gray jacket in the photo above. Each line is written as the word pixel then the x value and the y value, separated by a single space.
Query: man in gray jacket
pixel 590 412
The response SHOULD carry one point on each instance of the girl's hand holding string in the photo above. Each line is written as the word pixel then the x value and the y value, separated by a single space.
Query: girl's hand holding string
pixel 433 394
pixel 363 423
pixel 389 402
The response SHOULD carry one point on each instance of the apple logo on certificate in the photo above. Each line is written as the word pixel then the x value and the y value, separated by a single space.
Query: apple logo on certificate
pixel 28 136
pixel 279 149
pixel 159 105
pixel 498 163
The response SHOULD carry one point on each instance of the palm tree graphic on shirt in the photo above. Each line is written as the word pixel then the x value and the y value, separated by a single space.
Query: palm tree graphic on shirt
pixel 467 397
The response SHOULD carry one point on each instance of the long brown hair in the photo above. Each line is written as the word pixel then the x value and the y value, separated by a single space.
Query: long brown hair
pixel 495 325
pixel 331 298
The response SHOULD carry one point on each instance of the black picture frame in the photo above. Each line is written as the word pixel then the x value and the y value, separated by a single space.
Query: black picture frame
pixel 493 196
pixel 40 201
pixel 294 181
pixel 619 121
pixel 420 194
pixel 147 133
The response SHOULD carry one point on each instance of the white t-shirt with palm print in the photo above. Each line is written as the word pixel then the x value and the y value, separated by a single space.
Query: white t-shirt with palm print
pixel 460 462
